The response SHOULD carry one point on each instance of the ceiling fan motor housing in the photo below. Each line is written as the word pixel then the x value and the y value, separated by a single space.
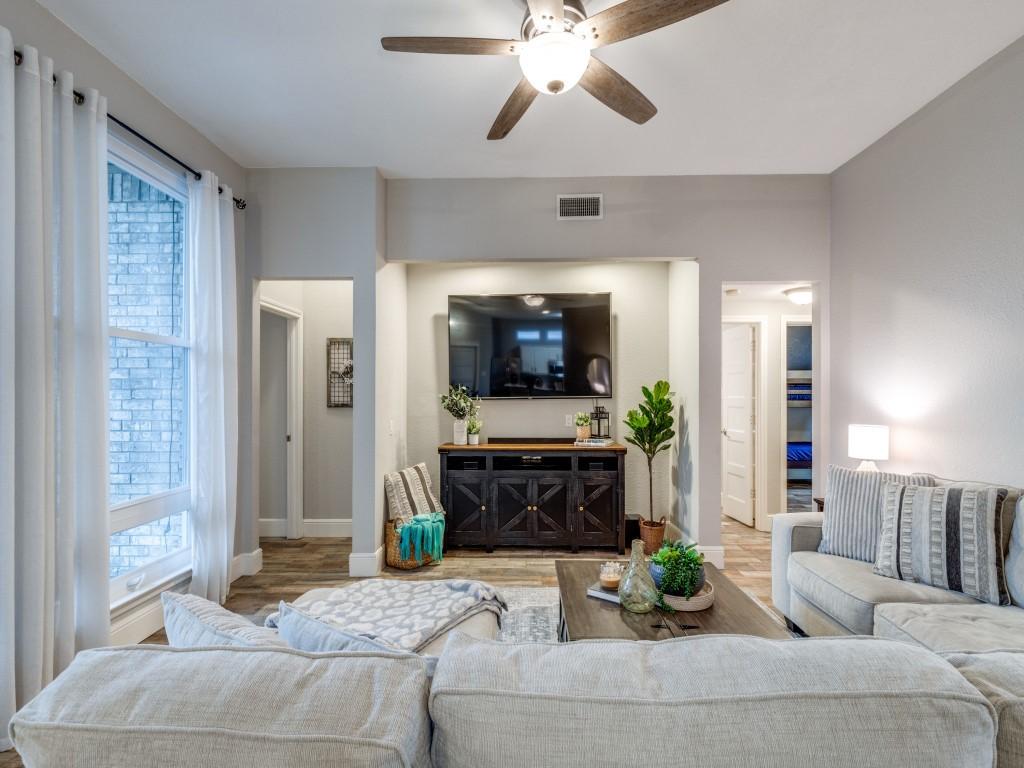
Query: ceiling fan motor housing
pixel 574 14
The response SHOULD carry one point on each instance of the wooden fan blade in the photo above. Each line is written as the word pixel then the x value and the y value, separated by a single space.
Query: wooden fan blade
pixel 520 100
pixel 548 15
pixel 613 90
pixel 636 17
pixel 479 46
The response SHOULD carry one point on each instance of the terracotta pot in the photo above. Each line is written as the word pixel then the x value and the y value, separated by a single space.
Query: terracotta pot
pixel 652 535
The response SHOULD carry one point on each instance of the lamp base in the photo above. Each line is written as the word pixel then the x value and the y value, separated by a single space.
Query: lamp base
pixel 867 466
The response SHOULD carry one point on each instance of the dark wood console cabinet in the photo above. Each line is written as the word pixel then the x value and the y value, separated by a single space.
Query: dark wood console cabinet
pixel 534 494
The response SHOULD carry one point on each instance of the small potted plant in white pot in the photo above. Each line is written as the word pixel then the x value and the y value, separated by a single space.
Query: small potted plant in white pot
pixel 459 405
pixel 582 425
pixel 473 427
pixel 474 424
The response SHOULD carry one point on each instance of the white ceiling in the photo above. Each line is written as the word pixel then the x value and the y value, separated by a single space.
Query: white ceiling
pixel 753 86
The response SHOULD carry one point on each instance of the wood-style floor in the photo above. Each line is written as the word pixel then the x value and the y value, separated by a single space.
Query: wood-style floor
pixel 291 568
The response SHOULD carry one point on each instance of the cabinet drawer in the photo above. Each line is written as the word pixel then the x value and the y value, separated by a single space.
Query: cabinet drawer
pixel 597 464
pixel 533 463
pixel 467 463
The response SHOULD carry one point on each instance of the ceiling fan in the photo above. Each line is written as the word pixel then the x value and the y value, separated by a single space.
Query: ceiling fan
pixel 554 50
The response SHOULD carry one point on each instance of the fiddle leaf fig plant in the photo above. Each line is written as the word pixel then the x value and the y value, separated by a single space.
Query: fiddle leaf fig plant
pixel 650 428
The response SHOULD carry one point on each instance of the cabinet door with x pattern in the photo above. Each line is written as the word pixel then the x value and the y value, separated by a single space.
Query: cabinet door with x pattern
pixel 467 502
pixel 513 520
pixel 597 512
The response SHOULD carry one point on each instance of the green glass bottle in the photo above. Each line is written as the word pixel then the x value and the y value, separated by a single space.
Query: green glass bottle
pixel 637 592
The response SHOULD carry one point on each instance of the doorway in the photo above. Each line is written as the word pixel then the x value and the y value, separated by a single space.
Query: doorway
pixel 281 415
pixel 303 367
pixel 798 413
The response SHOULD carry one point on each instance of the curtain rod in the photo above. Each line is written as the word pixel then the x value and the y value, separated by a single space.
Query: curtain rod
pixel 79 99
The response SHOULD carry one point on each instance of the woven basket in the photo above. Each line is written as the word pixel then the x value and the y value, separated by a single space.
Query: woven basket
pixel 393 549
pixel 698 602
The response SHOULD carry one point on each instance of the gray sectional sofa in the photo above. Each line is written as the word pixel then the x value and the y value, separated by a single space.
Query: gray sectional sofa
pixel 713 701
pixel 825 595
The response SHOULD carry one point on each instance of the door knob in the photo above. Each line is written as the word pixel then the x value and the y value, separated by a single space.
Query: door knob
pixel 725 432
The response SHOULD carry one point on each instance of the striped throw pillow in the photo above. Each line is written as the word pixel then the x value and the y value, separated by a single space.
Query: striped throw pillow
pixel 953 536
pixel 853 510
pixel 409 493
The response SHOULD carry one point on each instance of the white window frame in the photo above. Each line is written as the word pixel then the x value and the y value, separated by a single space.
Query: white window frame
pixel 156 506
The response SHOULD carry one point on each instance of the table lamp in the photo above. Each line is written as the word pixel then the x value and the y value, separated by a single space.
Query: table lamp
pixel 870 443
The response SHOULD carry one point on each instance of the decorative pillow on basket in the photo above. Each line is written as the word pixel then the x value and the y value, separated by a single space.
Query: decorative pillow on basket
pixel 953 536
pixel 192 622
pixel 853 510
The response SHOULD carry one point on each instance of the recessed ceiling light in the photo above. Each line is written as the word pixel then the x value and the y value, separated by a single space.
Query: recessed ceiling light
pixel 802 296
pixel 545 311
pixel 531 300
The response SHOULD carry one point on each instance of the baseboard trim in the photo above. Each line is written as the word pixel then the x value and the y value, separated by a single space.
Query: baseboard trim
pixel 327 529
pixel 714 555
pixel 273 529
pixel 246 564
pixel 366 563
pixel 337 528
pixel 140 622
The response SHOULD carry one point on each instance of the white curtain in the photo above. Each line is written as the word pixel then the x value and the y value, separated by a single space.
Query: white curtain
pixel 214 371
pixel 54 583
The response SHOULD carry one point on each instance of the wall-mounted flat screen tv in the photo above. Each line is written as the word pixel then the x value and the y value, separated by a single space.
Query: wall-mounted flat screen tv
pixel 531 345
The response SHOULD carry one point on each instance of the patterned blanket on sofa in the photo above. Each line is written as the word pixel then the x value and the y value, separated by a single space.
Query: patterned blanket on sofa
pixel 407 615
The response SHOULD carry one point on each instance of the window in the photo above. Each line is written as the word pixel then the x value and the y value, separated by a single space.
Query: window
pixel 149 383
pixel 527 335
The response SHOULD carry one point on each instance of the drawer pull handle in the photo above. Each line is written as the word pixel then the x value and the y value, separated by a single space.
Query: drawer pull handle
pixel 483 507
pixel 581 507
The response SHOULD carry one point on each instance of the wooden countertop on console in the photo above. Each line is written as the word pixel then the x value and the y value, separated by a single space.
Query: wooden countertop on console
pixel 530 447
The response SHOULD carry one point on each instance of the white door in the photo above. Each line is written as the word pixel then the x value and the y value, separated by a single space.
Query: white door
pixel 738 422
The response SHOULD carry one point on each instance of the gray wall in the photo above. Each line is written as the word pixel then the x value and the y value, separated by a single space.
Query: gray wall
pixel 928 282
pixel 31 24
pixel 327 223
pixel 754 228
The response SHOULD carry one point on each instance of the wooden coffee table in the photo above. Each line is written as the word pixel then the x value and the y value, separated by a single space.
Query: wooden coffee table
pixel 588 618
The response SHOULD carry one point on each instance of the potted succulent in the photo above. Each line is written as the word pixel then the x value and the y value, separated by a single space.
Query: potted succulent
pixel 677 570
pixel 459 405
pixel 650 429
pixel 582 425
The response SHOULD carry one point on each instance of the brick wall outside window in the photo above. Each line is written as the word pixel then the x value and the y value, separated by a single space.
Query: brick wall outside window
pixel 148 382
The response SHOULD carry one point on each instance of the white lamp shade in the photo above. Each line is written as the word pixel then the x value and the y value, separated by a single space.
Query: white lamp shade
pixel 869 442
pixel 554 62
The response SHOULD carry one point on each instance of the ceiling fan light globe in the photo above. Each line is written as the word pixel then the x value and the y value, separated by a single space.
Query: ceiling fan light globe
pixel 554 62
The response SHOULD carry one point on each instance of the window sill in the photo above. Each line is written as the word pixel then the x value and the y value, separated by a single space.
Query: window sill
pixel 134 599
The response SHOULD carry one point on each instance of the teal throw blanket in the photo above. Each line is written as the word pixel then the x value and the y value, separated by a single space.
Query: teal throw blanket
pixel 423 534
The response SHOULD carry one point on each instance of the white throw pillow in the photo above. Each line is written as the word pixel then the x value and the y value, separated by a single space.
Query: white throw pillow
pixel 192 622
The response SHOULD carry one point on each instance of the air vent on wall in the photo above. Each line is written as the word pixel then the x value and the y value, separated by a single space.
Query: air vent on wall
pixel 580 207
